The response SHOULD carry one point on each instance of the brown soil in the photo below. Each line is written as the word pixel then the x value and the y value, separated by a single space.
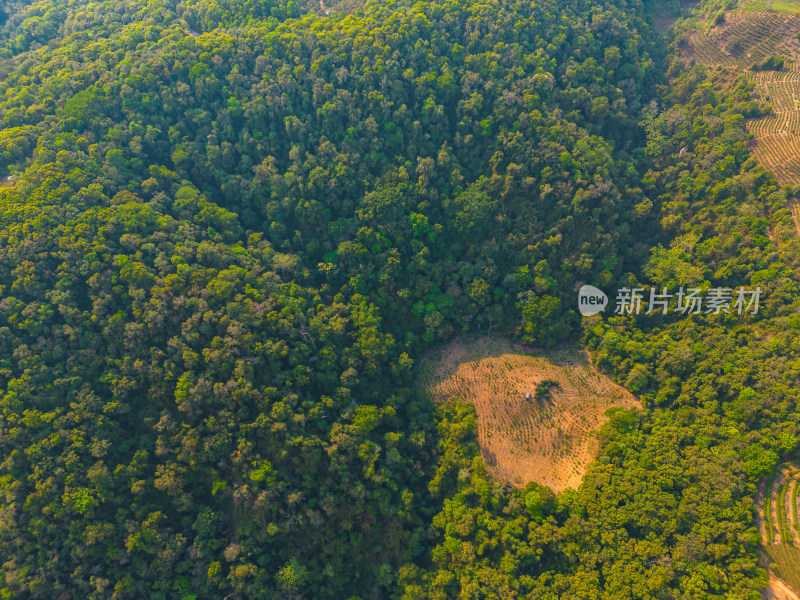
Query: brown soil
pixel 778 590
pixel 550 441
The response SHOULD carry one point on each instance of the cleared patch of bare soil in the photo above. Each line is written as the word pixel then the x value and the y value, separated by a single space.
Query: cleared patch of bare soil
pixel 551 440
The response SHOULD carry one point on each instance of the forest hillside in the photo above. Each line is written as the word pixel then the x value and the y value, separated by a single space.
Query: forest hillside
pixel 232 229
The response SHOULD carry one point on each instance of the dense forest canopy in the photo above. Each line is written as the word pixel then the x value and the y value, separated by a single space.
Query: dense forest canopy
pixel 235 226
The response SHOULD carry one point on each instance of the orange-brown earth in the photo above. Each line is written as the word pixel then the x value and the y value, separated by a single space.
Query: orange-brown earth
pixel 550 441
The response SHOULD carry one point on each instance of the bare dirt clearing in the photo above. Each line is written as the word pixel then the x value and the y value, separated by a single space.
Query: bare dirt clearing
pixel 778 590
pixel 522 439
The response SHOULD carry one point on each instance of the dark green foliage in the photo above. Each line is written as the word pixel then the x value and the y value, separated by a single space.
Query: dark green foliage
pixel 222 253
pixel 771 63
pixel 543 389
pixel 222 250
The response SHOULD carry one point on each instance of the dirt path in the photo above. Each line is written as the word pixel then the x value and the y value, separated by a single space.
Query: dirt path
pixel 778 590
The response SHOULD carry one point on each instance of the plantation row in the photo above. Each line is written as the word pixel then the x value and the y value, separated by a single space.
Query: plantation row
pixel 747 37
pixel 789 172
pixel 787 562
pixel 783 123
pixel 757 36
pixel 780 508
pixel 707 51
pixel 777 136
pixel 779 89
pixel 752 40
pixel 780 37
pixel 780 532
pixel 781 154
pixel 776 150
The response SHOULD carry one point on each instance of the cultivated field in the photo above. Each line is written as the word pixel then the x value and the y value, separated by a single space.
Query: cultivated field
pixel 748 36
pixel 549 441
pixel 780 531
pixel 779 5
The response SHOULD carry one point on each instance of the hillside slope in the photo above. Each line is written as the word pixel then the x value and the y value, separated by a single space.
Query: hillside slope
pixel 744 39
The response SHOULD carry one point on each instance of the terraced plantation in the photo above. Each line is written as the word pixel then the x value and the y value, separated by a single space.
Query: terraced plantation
pixel 523 438
pixel 746 37
pixel 780 531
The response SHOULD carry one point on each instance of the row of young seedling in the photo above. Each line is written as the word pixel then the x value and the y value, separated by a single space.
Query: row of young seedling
pixel 776 520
